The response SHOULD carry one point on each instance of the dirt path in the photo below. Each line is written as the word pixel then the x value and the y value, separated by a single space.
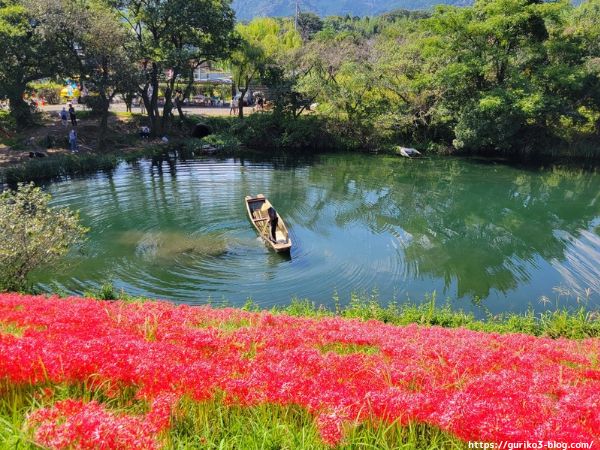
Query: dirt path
pixel 52 138
pixel 37 138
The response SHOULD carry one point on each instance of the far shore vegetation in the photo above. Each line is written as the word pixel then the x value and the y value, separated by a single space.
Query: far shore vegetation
pixel 517 80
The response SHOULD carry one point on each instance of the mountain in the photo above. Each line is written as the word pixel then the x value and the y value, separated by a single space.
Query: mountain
pixel 247 9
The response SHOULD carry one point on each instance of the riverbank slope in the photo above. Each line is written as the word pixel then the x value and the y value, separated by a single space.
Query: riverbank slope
pixel 98 374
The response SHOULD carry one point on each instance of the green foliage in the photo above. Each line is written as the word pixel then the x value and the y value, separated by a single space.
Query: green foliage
pixel 309 24
pixel 271 132
pixel 578 323
pixel 491 121
pixel 32 234
pixel 106 291
pixel 263 42
pixel 29 51
pixel 197 31
pixel 511 77
pixel 56 167
pixel 222 143
pixel 213 425
pixel 7 125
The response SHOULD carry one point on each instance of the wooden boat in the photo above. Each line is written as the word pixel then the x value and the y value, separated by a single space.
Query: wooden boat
pixel 257 208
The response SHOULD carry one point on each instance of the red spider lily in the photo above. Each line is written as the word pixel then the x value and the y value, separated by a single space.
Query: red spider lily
pixel 478 386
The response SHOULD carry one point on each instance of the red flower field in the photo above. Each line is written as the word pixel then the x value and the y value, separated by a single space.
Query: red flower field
pixel 477 386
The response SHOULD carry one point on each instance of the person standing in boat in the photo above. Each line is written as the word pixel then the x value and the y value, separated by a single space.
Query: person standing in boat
pixel 273 220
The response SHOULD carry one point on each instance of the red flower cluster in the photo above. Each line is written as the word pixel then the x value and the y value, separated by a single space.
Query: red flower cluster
pixel 74 424
pixel 478 386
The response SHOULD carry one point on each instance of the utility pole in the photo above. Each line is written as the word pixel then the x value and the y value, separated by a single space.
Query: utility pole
pixel 297 14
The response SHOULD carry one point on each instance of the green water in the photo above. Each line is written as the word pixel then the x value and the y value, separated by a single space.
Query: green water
pixel 504 237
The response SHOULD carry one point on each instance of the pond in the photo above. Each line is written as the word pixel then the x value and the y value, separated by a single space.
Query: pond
pixel 478 234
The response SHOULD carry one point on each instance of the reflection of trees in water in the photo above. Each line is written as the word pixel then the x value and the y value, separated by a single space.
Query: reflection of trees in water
pixel 580 267
pixel 483 226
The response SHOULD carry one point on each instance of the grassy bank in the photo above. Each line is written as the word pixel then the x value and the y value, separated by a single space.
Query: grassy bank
pixel 574 323
pixel 262 133
pixel 68 165
pixel 93 374
pixel 58 167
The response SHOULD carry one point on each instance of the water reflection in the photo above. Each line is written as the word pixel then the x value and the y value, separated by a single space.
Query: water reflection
pixel 178 230
pixel 484 227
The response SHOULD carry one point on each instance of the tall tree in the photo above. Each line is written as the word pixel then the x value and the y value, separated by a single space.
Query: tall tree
pixel 173 38
pixel 486 63
pixel 108 62
pixel 262 41
pixel 580 47
pixel 309 24
pixel 29 50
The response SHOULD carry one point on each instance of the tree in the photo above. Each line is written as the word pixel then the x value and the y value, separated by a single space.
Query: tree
pixel 490 61
pixel 262 41
pixel 95 45
pixel 414 112
pixel 338 73
pixel 579 46
pixel 173 38
pixel 28 51
pixel 107 62
pixel 309 24
pixel 32 234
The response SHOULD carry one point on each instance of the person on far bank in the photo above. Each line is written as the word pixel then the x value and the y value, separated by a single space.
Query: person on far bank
pixel 73 115
pixel 234 106
pixel 73 140
pixel 63 116
pixel 145 132
pixel 273 220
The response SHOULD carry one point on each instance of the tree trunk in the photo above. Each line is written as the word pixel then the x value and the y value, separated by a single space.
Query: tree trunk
pixel 178 103
pixel 102 132
pixel 128 98
pixel 186 93
pixel 20 110
pixel 153 112
pixel 168 108
pixel 241 102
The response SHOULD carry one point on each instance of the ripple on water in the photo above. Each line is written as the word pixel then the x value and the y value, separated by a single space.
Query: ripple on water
pixel 178 230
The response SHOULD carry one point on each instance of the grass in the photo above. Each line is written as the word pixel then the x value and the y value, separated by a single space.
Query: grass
pixel 215 424
pixel 11 328
pixel 17 401
pixel 57 167
pixel 572 323
pixel 575 323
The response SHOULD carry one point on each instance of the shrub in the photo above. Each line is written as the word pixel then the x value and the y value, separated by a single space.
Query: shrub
pixel 32 234
pixel 57 167
pixel 305 134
